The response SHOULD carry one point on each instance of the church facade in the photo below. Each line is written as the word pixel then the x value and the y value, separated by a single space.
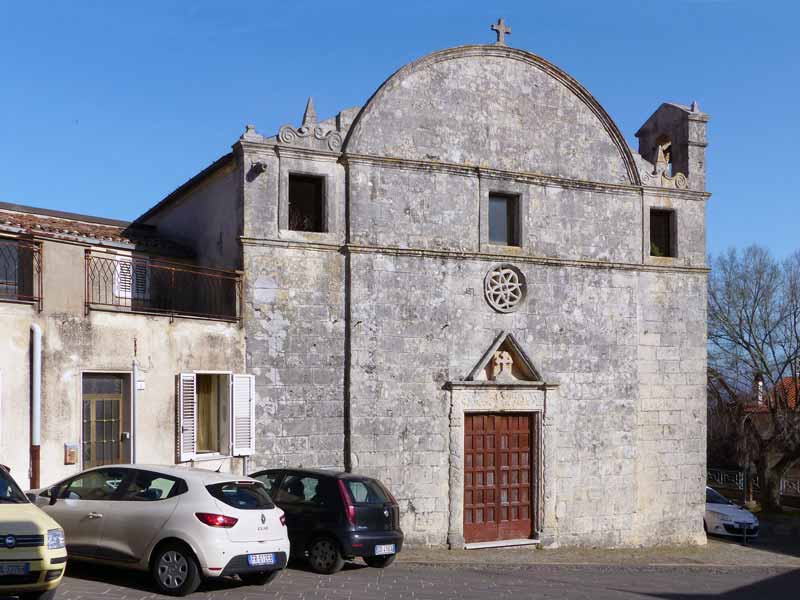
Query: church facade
pixel 473 289
pixel 470 287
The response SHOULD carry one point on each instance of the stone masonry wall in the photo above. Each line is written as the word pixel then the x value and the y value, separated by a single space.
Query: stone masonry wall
pixel 294 326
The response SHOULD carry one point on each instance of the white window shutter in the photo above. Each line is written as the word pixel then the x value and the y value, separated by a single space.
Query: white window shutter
pixel 123 277
pixel 243 422
pixel 186 419
pixel 140 284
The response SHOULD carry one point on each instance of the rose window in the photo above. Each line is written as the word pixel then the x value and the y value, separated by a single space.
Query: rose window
pixel 504 287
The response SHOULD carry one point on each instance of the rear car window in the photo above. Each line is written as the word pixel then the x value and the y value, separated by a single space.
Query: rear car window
pixel 366 491
pixel 244 495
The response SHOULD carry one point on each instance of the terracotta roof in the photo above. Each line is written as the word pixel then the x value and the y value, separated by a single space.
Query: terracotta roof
pixel 786 389
pixel 15 218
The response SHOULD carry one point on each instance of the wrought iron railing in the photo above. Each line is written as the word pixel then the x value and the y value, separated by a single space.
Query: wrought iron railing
pixel 21 271
pixel 147 285
pixel 734 480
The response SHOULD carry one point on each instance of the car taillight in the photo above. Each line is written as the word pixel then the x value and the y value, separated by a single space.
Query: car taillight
pixel 349 509
pixel 213 520
pixel 283 520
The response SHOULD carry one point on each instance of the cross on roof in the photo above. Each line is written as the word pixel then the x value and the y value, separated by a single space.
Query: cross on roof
pixel 501 30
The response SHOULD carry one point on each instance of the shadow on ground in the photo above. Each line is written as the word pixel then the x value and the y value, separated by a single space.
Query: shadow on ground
pixel 784 585
pixel 778 535
pixel 141 581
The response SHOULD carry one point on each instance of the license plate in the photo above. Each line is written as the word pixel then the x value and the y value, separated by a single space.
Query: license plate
pixel 14 569
pixel 384 549
pixel 257 560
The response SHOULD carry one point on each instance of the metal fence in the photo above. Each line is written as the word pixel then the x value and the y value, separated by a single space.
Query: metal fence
pixel 135 284
pixel 734 480
pixel 21 271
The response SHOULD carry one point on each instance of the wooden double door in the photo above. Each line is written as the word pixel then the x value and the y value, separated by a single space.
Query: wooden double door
pixel 500 471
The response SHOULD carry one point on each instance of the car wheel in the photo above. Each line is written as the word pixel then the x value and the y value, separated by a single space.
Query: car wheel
pixel 258 578
pixel 324 556
pixel 48 595
pixel 379 562
pixel 175 570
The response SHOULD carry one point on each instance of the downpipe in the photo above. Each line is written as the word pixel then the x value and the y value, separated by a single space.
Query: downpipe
pixel 36 404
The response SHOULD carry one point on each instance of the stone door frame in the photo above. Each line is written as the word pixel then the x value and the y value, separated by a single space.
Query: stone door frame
pixel 531 397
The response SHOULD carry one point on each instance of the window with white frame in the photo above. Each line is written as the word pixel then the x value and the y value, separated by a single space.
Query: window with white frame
pixel 215 415
pixel 131 280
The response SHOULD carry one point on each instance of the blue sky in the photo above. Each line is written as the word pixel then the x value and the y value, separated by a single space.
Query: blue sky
pixel 105 107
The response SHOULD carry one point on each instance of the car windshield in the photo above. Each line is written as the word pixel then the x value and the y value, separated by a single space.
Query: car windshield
pixel 366 491
pixel 714 497
pixel 244 495
pixel 9 490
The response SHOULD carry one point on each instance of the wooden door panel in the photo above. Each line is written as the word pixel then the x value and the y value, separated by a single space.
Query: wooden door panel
pixel 497 477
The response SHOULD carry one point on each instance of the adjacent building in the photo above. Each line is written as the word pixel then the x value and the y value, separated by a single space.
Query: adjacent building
pixel 470 287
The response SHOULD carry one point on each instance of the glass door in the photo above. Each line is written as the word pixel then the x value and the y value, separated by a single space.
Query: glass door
pixel 103 402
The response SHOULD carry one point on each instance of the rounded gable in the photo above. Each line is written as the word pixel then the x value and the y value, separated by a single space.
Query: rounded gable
pixel 494 107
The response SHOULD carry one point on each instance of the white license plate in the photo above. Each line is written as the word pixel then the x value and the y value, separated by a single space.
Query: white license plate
pixel 14 568
pixel 384 549
pixel 257 560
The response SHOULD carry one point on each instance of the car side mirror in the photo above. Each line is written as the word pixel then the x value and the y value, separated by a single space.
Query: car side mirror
pixel 54 492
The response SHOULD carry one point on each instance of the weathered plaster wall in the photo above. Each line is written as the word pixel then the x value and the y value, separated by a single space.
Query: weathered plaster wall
pixel 207 217
pixel 103 341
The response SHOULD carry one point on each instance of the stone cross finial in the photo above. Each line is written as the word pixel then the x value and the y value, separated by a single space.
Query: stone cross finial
pixel 501 364
pixel 501 30
pixel 310 116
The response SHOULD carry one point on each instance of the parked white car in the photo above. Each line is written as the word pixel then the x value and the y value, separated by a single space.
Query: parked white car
pixel 180 524
pixel 723 517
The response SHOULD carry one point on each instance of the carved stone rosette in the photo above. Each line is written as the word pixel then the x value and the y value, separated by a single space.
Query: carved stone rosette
pixel 505 288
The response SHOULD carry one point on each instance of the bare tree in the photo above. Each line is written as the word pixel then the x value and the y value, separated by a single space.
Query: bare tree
pixel 754 332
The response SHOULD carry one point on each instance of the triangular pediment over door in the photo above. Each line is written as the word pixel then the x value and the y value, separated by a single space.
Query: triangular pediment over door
pixel 505 362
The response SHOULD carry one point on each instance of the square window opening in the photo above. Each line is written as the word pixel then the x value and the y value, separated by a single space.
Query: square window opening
pixel 662 233
pixel 504 219
pixel 307 203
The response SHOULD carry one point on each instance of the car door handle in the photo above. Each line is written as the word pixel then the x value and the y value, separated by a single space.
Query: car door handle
pixel 95 515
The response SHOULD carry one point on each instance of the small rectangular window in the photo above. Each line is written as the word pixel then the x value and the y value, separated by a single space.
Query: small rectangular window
pixel 504 219
pixel 306 203
pixel 662 232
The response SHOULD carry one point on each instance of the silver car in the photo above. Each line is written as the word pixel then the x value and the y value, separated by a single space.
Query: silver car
pixel 180 524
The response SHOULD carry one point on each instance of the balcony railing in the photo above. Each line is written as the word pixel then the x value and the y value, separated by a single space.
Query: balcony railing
pixel 146 285
pixel 21 271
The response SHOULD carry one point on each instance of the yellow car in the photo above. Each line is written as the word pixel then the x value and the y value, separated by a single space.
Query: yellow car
pixel 32 550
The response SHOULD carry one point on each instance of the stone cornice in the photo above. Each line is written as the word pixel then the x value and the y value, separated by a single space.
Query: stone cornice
pixel 470 255
pixel 533 178
pixel 305 153
pixel 466 385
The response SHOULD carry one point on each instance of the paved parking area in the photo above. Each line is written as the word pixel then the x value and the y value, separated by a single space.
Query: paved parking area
pixel 420 582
